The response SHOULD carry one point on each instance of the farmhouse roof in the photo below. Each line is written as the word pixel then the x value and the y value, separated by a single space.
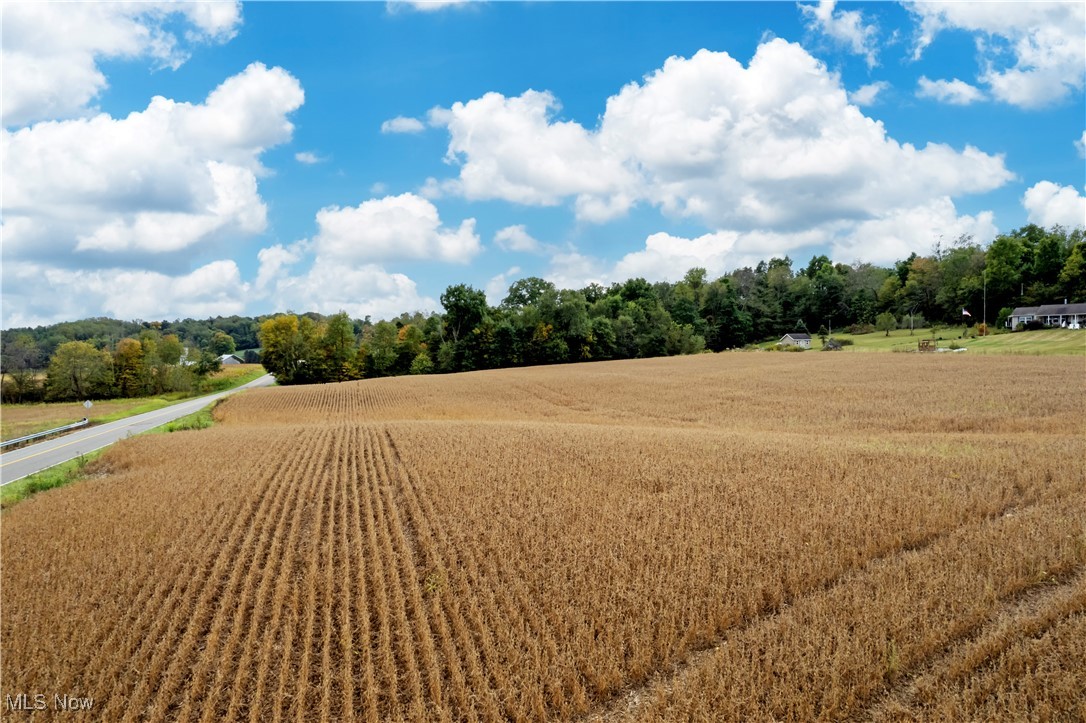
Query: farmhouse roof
pixel 1050 310
pixel 797 337
pixel 1061 309
pixel 224 357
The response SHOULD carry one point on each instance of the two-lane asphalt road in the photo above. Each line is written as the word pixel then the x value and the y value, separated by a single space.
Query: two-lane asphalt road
pixel 19 463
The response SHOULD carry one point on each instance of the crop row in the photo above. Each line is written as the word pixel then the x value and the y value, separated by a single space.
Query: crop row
pixel 845 395
pixel 491 549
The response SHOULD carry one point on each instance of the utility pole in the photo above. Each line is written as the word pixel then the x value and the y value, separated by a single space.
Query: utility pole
pixel 985 274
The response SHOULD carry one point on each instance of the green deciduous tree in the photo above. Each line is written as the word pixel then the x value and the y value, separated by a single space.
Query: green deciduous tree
pixel 170 349
pixel 206 363
pixel 464 309
pixel 20 359
pixel 682 339
pixel 885 322
pixel 79 371
pixel 410 342
pixel 527 291
pixel 695 278
pixel 381 349
pixel 603 338
pixel 727 324
pixel 289 345
pixel 1005 260
pixel 221 343
pixel 922 287
pixel 128 368
pixel 338 350
pixel 1072 277
pixel 421 364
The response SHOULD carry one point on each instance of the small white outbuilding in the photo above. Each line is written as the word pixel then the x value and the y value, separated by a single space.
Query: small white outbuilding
pixel 795 339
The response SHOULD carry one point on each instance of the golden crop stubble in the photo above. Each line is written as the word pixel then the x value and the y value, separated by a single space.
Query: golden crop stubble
pixel 824 657
pixel 534 543
pixel 1025 663
pixel 686 551
pixel 1038 678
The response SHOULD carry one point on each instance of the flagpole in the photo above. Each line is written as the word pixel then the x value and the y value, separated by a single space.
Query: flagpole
pixel 985 298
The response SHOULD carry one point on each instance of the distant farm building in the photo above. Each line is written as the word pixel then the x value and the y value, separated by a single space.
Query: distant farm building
pixel 1071 316
pixel 230 359
pixel 803 340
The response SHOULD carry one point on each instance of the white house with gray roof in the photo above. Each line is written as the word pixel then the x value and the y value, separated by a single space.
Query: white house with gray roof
pixel 794 339
pixel 1070 316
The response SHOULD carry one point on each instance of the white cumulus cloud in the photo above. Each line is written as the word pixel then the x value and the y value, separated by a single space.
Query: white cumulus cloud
pixel 513 149
pixel 274 261
pixel 308 158
pixel 402 124
pixel 1043 40
pixel 1049 204
pixel 517 238
pixel 669 257
pixel 571 269
pixel 1080 145
pixel 330 286
pixel 776 145
pixel 395 227
pixel 773 146
pixel 845 27
pixel 954 92
pixel 883 240
pixel 346 259
pixel 40 294
pixel 102 191
pixel 498 286
pixel 426 6
pixel 51 51
pixel 894 236
pixel 867 94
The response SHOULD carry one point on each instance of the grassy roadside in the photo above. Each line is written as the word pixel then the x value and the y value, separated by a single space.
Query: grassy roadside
pixel 201 419
pixel 73 470
pixel 18 420
pixel 56 476
pixel 1043 343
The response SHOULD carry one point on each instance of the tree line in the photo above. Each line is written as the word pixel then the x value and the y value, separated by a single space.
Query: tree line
pixel 149 364
pixel 103 333
pixel 537 323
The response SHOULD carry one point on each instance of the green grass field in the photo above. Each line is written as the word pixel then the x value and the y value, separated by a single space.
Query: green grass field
pixel 1045 342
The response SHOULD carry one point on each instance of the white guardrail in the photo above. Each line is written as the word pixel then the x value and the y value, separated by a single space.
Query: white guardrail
pixel 46 433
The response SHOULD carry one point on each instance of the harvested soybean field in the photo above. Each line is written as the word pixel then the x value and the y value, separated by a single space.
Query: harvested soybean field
pixel 737 536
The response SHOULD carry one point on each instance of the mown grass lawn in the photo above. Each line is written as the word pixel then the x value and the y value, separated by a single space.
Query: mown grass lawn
pixel 1044 342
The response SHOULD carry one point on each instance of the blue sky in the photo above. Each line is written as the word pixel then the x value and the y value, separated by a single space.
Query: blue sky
pixel 165 160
